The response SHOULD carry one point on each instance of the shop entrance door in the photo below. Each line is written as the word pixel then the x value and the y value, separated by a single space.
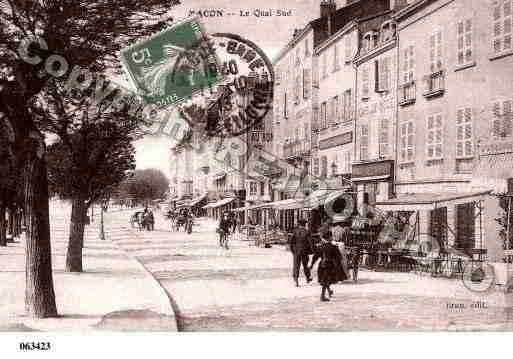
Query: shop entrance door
pixel 465 227
pixel 438 226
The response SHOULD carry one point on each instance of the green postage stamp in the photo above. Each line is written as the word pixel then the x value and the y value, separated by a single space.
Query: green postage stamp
pixel 172 65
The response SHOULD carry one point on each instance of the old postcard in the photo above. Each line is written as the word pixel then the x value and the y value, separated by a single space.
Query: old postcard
pixel 292 166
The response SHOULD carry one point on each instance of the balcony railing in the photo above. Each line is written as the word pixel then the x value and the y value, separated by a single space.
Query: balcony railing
pixel 260 137
pixel 435 84
pixel 407 93
pixel 296 149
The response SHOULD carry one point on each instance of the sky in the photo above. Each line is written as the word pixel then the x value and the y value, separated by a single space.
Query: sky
pixel 271 34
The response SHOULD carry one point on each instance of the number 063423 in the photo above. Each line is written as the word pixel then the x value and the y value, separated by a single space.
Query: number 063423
pixel 35 346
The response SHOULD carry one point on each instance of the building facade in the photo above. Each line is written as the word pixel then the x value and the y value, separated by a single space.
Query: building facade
pixel 454 114
pixel 335 83
pixel 376 62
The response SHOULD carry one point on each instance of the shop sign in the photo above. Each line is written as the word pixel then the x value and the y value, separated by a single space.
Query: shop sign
pixel 382 168
pixel 339 140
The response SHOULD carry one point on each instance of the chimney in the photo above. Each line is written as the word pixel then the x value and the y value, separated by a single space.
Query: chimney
pixel 328 7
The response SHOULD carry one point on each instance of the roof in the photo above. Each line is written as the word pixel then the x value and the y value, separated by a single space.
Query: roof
pixel 339 19
pixel 412 8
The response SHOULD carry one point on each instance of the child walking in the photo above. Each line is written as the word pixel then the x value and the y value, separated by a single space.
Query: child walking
pixel 330 269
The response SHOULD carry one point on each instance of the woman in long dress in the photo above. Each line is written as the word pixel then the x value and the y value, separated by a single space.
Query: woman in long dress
pixel 330 269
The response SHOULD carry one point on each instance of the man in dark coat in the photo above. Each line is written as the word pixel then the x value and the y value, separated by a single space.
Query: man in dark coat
pixel 301 248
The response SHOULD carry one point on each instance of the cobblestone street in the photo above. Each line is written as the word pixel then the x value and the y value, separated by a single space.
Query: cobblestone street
pixel 250 288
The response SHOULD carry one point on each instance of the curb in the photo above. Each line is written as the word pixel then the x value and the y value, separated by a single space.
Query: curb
pixel 166 304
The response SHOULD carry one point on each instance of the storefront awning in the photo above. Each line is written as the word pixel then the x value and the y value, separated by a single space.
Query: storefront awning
pixel 219 203
pixel 292 203
pixel 429 201
pixel 370 178
pixel 197 200
pixel 498 186
pixel 255 206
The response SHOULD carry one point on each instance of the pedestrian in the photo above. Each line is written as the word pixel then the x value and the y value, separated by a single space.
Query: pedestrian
pixel 340 238
pixel 329 270
pixel 151 220
pixel 224 228
pixel 233 219
pixel 301 249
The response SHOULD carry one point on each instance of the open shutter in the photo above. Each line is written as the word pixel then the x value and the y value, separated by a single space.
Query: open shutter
pixel 507 117
pixel 377 75
pixel 496 119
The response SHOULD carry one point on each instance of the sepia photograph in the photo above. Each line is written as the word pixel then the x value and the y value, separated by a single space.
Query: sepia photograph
pixel 292 166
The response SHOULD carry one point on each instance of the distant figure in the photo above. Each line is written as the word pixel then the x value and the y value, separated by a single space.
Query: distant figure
pixel 301 249
pixel 225 224
pixel 233 218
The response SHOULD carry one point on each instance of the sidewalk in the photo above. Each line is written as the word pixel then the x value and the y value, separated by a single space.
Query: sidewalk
pixel 115 292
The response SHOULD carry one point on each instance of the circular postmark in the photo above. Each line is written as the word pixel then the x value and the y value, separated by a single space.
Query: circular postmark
pixel 478 276
pixel 242 99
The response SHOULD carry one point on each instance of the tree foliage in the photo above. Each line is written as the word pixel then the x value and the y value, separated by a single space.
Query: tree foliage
pixel 145 185
pixel 91 162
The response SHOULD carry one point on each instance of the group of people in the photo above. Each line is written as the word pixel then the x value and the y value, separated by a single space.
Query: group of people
pixel 333 265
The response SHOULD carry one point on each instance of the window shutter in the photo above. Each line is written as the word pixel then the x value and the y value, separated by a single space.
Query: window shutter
pixel 507 117
pixel 349 105
pixel 496 122
pixel 386 62
pixel 411 145
pixel 377 75
pixel 348 48
pixel 383 138
pixel 365 81
pixel 459 133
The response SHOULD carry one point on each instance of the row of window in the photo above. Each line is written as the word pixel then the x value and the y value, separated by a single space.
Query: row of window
pixel 434 137
pixel 337 110
pixel 335 60
pixel 501 127
pixel 256 187
pixel 320 164
pixel 383 139
pixel 502 42
pixel 382 76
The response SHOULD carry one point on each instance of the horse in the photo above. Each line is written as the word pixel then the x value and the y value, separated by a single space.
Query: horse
pixel 137 217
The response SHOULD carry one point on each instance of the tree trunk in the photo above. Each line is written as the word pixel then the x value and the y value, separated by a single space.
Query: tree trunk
pixel 76 235
pixel 10 224
pixel 39 292
pixel 3 228
pixel 102 230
